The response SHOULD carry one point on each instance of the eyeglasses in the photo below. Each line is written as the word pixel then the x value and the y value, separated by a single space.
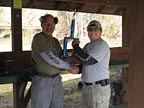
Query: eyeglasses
pixel 93 29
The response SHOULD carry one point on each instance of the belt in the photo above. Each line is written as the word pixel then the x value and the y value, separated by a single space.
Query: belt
pixel 47 75
pixel 102 82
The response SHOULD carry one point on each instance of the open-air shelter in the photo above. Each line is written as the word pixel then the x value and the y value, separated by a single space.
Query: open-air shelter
pixel 131 52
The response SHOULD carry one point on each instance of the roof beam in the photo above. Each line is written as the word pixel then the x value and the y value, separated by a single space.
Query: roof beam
pixel 100 9
pixel 118 3
pixel 118 11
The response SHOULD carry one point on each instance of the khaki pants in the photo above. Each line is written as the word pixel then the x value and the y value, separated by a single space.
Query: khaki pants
pixel 95 96
pixel 47 92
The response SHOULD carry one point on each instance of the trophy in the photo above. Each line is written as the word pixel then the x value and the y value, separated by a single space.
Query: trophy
pixel 66 40
pixel 71 37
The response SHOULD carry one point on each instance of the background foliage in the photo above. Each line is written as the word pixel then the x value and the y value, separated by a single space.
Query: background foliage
pixel 111 24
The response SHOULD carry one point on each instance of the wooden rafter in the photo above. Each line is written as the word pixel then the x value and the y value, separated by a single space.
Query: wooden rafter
pixel 118 3
pixel 119 11
pixel 100 9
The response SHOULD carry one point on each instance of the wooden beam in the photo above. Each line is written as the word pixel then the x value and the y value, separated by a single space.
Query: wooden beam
pixel 125 35
pixel 16 25
pixel 117 3
pixel 31 2
pixel 136 42
pixel 100 9
pixel 120 53
pixel 5 3
pixel 119 11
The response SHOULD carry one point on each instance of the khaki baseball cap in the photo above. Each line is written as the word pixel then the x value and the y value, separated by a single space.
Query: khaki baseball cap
pixel 94 23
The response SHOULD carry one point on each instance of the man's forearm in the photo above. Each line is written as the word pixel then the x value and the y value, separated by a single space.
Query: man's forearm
pixel 83 57
pixel 50 58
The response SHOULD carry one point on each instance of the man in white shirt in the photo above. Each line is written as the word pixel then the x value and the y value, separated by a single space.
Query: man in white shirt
pixel 94 65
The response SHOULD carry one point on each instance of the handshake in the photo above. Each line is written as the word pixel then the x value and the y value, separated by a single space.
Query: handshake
pixel 73 69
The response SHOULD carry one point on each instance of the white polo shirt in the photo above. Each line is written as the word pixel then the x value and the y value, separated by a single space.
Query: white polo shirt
pixel 99 50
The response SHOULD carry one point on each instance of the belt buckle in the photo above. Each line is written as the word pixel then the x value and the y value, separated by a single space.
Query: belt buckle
pixel 104 82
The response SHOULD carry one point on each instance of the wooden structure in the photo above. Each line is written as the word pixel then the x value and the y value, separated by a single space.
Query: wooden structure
pixel 18 67
pixel 132 12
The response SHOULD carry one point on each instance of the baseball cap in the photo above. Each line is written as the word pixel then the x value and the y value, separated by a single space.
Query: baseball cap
pixel 94 23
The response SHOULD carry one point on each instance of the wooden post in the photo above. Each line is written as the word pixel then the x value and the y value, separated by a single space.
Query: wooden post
pixel 18 91
pixel 125 43
pixel 125 36
pixel 16 19
pixel 136 65
pixel 21 98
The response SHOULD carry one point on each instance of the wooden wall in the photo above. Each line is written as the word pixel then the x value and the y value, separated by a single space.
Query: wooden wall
pixel 20 60
pixel 17 61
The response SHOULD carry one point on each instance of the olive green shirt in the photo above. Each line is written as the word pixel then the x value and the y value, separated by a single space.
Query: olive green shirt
pixel 42 43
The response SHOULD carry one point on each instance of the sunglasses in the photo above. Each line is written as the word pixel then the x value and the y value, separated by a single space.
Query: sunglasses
pixel 93 29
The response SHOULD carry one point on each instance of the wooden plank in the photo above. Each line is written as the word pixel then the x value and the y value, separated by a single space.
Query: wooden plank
pixel 118 3
pixel 18 61
pixel 117 53
pixel 121 53
pixel 15 77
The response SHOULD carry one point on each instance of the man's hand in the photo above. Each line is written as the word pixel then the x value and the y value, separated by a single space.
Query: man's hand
pixel 74 69
pixel 75 41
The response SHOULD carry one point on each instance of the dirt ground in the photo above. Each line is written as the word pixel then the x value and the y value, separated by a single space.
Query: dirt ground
pixel 72 95
pixel 72 100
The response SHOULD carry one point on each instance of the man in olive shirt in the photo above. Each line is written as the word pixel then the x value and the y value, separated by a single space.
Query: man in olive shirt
pixel 47 90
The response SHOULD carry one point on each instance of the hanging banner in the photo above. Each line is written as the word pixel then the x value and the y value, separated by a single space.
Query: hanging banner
pixel 17 4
